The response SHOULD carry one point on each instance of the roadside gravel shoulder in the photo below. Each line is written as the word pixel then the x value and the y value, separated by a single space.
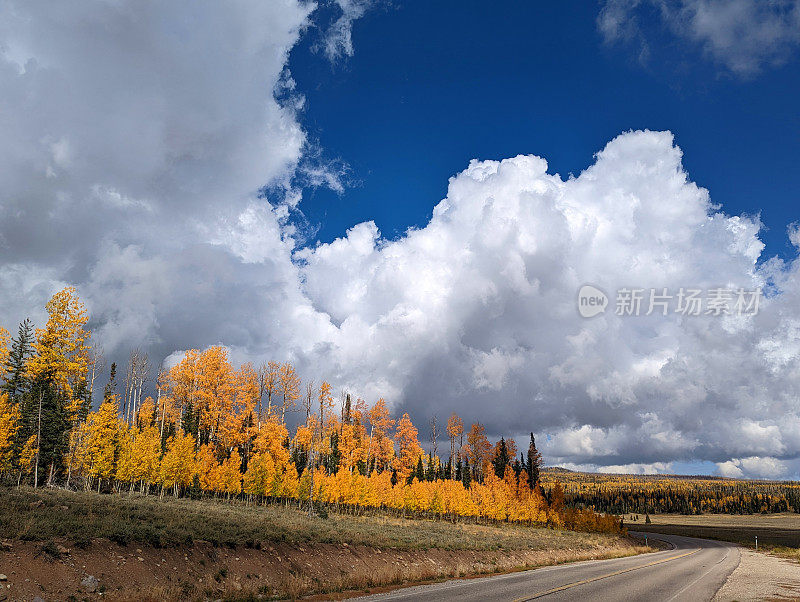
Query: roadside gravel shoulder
pixel 761 577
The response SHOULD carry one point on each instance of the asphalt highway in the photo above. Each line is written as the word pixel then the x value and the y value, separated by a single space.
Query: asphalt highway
pixel 693 570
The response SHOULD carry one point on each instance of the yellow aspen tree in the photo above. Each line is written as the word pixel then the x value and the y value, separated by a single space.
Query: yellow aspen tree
pixel 81 457
pixel 289 388
pixel 145 413
pixel 5 352
pixel 207 469
pixel 103 440
pixel 238 425
pixel 9 411
pixel 215 392
pixel 145 452
pixel 455 428
pixel 181 388
pixel 62 352
pixel 27 458
pixel 304 433
pixel 271 459
pixel 358 413
pixel 126 460
pixel 270 441
pixel 408 448
pixel 59 368
pixel 259 475
pixel 349 447
pixel 230 474
pixel 325 399
pixel 380 445
pixel 290 483
pixel 9 425
pixel 268 384
pixel 478 449
pixel 177 465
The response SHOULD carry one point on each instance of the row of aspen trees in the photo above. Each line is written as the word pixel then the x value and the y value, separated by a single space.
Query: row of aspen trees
pixel 212 429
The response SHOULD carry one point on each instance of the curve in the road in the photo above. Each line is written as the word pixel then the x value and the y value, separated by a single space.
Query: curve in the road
pixel 606 576
pixel 693 570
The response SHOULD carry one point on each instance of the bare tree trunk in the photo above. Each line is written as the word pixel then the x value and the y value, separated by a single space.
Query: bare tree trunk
pixel 135 377
pixel 369 447
pixel 98 365
pixel 158 402
pixel 38 442
pixel 308 401
pixel 434 437
pixel 311 470
pixel 126 392
pixel 72 457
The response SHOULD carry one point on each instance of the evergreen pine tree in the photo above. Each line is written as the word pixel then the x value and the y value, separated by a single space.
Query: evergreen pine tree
pixel 52 427
pixel 419 473
pixel 501 460
pixel 534 464
pixel 334 458
pixel 111 386
pixel 430 473
pixel 347 409
pixel 84 397
pixel 189 421
pixel 300 458
pixel 17 383
pixel 466 474
pixel 517 468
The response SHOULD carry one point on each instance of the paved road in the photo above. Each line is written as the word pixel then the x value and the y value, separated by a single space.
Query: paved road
pixel 694 570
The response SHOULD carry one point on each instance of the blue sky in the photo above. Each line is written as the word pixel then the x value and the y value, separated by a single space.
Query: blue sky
pixel 432 85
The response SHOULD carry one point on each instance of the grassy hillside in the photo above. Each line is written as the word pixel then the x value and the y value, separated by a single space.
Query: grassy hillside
pixel 38 515
pixel 176 549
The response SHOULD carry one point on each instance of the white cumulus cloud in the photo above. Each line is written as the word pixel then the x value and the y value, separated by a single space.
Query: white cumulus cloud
pixel 744 36
pixel 476 311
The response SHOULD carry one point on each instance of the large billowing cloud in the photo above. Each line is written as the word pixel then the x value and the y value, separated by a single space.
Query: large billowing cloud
pixel 136 138
pixel 477 311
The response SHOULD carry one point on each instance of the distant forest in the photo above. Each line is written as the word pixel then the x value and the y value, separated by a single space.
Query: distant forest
pixel 623 494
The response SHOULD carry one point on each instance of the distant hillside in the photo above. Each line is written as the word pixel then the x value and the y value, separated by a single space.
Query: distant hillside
pixel 622 494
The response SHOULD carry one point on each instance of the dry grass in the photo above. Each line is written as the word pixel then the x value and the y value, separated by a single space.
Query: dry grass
pixel 41 515
pixel 377 579
pixel 779 533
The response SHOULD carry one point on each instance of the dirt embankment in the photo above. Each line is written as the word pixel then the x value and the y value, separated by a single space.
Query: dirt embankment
pixel 52 571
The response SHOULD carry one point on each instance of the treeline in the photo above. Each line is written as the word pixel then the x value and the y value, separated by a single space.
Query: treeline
pixel 216 430
pixel 623 494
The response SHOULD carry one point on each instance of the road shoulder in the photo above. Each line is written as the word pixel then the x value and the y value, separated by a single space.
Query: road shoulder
pixel 761 577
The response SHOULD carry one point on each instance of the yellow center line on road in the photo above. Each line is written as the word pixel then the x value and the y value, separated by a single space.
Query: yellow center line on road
pixel 585 581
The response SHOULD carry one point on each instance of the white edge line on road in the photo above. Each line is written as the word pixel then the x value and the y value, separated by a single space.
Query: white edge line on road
pixel 403 592
pixel 724 558
pixel 455 583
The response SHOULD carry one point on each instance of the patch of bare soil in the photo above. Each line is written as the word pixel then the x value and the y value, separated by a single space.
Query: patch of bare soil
pixel 107 570
pixel 761 577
